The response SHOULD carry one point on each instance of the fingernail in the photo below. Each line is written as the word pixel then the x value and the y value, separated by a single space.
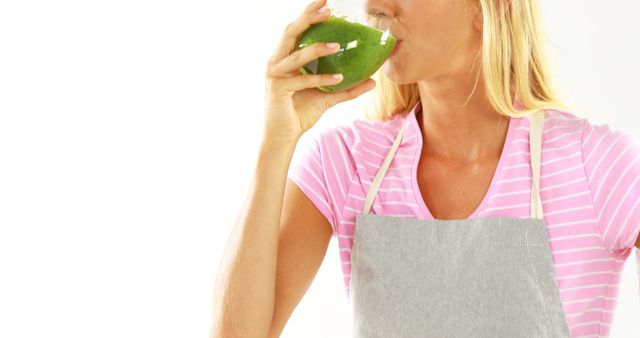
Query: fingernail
pixel 324 9
pixel 337 76
pixel 333 45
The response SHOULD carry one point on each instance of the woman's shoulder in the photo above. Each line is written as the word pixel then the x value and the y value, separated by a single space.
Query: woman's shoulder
pixel 557 117
pixel 611 163
pixel 375 135
pixel 565 130
pixel 562 121
pixel 603 142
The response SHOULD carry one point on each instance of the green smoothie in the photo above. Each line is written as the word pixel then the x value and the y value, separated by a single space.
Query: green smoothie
pixel 363 50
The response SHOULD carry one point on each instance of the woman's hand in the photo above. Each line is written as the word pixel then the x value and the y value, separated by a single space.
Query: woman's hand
pixel 294 104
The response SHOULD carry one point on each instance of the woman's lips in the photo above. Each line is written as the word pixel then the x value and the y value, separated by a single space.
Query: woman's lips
pixel 396 48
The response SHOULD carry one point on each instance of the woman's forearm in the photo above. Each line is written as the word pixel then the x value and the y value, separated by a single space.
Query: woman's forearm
pixel 245 284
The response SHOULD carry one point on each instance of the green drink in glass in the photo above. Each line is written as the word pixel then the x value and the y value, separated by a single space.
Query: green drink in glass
pixel 363 50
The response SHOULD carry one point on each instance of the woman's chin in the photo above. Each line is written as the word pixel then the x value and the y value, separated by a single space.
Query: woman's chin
pixel 392 72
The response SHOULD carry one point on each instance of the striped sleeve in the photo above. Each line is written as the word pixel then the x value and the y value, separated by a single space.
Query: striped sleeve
pixel 322 169
pixel 612 166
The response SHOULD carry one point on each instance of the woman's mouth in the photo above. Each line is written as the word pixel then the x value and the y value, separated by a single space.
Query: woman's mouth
pixel 396 48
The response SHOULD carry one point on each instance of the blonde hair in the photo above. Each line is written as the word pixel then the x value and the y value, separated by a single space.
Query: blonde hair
pixel 515 70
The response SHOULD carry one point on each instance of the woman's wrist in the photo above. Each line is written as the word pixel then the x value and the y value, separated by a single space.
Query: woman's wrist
pixel 273 141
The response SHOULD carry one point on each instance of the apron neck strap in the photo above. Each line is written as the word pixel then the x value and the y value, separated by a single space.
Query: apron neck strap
pixel 536 124
pixel 375 185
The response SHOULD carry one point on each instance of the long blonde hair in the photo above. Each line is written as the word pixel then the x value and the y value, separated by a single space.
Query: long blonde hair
pixel 515 69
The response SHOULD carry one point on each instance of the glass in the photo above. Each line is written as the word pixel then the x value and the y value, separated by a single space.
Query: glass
pixel 365 44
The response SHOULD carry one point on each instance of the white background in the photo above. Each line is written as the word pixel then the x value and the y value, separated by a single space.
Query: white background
pixel 128 138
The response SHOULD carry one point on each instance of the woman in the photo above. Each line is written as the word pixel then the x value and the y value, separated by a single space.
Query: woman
pixel 482 208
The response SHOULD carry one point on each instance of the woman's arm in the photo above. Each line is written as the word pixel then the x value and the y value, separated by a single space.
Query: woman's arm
pixel 265 269
pixel 305 234
pixel 245 285
pixel 272 256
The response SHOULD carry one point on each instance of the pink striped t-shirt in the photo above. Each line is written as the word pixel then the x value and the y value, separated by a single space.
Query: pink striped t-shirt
pixel 589 182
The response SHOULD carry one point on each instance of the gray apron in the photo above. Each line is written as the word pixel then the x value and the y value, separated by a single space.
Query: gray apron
pixel 483 277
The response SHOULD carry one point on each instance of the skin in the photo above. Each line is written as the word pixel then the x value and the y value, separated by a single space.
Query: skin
pixel 440 51
pixel 441 41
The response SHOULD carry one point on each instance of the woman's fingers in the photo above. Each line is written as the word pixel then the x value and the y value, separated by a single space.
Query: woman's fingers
pixel 289 85
pixel 308 17
pixel 292 63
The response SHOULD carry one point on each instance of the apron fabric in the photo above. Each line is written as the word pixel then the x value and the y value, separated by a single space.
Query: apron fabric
pixel 482 277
